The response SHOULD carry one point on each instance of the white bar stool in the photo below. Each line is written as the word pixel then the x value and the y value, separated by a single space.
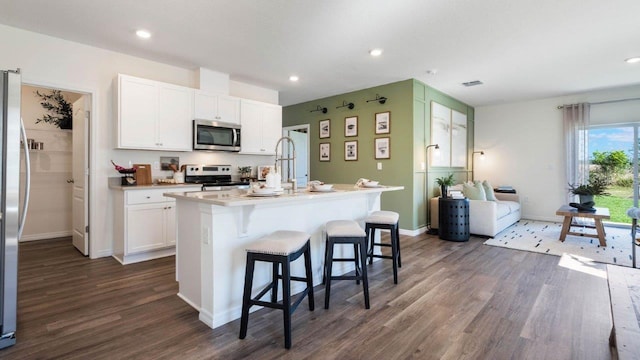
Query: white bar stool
pixel 384 220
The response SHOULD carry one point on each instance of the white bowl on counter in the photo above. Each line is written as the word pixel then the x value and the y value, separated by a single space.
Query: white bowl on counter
pixel 371 184
pixel 323 187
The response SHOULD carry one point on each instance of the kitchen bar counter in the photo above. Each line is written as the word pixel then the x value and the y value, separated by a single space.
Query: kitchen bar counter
pixel 214 228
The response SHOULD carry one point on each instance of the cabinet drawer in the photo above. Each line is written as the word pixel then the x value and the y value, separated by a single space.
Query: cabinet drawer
pixel 146 197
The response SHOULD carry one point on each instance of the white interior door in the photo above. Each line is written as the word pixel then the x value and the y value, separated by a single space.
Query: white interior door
pixel 80 171
pixel 300 136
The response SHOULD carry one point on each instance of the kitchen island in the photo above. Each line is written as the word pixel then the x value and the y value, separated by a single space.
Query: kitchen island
pixel 213 229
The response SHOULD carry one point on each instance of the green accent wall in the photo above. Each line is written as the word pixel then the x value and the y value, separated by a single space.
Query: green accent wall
pixel 408 102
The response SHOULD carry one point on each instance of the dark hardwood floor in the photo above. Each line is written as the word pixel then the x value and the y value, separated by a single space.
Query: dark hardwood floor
pixel 453 301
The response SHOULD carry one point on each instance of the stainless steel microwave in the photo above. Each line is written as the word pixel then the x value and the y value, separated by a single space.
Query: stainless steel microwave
pixel 215 136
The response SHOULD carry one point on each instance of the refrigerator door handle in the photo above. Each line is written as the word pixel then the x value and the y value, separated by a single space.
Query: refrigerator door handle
pixel 27 189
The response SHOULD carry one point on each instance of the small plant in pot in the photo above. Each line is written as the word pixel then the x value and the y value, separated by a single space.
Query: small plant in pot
pixel 444 182
pixel 596 186
pixel 245 172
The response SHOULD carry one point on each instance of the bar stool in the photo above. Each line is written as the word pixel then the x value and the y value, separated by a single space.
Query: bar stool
pixel 346 232
pixel 279 248
pixel 384 220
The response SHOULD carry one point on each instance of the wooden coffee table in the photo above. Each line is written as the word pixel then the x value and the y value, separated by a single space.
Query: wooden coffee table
pixel 569 213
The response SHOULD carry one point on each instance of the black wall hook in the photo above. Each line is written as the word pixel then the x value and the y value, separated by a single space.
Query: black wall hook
pixel 380 99
pixel 345 104
pixel 320 108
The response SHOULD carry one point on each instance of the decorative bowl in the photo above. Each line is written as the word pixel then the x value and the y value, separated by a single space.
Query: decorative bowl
pixel 323 187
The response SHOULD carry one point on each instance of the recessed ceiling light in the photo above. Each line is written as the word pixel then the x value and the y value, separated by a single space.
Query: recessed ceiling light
pixel 375 52
pixel 633 60
pixel 143 34
pixel 294 78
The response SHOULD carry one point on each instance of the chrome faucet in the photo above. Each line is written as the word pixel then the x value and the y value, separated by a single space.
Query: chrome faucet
pixel 292 156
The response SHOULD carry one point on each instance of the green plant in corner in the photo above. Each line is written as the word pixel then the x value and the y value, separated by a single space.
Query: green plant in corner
pixel 444 182
pixel 60 112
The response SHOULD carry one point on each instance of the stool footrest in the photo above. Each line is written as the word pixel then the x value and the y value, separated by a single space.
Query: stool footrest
pixel 267 304
pixel 344 259
pixel 380 256
pixel 347 277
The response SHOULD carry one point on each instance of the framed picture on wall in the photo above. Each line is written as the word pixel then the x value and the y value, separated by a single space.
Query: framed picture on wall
pixel 383 122
pixel 263 171
pixel 458 139
pixel 325 129
pixel 351 150
pixel 383 148
pixel 351 126
pixel 325 151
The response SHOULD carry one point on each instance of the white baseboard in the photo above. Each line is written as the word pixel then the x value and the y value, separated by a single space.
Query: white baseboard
pixel 101 254
pixel 415 232
pixel 42 236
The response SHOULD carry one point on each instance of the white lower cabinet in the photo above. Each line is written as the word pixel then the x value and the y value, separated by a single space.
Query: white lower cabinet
pixel 145 224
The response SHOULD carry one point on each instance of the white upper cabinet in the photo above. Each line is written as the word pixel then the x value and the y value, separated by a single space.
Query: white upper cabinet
pixel 153 115
pixel 261 127
pixel 216 107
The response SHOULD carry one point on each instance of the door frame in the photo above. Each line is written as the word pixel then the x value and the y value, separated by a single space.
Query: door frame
pixel 307 127
pixel 92 92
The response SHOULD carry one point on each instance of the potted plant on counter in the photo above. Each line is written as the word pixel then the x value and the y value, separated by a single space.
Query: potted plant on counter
pixel 245 172
pixel 444 182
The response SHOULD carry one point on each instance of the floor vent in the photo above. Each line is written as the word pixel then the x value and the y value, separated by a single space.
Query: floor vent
pixel 472 83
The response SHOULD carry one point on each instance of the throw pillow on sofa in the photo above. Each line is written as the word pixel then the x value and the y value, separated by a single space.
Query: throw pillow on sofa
pixel 488 190
pixel 474 191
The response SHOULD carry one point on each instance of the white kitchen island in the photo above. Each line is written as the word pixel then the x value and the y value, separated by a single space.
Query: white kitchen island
pixel 213 229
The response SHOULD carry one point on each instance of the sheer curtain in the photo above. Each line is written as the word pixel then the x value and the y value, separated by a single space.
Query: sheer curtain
pixel 576 135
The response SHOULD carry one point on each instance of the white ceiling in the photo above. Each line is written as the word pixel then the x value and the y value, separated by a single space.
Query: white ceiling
pixel 520 49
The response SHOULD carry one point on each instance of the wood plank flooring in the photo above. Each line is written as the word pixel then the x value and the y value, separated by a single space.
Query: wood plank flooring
pixel 453 301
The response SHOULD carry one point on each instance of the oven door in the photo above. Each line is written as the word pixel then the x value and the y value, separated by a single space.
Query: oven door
pixel 215 135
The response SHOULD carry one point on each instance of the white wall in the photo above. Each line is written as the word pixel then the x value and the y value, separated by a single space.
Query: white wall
pixel 57 63
pixel 524 147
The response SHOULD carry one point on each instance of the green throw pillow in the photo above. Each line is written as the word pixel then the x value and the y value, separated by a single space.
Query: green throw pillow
pixel 488 190
pixel 474 191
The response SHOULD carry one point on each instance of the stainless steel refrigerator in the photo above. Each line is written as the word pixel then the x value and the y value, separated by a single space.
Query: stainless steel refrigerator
pixel 11 213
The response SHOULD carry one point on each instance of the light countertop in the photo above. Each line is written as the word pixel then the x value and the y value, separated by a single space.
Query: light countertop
pixel 243 197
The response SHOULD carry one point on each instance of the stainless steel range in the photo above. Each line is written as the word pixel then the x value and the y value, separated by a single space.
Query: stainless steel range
pixel 213 177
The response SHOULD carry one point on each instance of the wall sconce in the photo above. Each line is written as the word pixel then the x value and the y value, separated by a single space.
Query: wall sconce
pixel 472 157
pixel 380 99
pixel 320 108
pixel 345 104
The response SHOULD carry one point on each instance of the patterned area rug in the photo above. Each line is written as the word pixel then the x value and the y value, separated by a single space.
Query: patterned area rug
pixel 542 237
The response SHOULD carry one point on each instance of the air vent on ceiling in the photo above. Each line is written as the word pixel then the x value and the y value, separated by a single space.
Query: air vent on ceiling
pixel 472 83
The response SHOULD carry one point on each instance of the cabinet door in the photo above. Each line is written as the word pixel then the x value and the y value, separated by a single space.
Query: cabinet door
pixel 204 106
pixel 251 135
pixel 228 109
pixel 138 113
pixel 271 127
pixel 145 228
pixel 174 118
pixel 170 224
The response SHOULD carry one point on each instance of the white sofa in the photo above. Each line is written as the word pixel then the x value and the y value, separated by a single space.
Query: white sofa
pixel 486 218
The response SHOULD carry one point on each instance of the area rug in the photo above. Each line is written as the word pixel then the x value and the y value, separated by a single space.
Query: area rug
pixel 542 237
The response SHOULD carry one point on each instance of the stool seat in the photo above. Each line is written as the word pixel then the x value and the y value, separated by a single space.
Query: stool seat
pixel 281 242
pixel 383 217
pixel 344 228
